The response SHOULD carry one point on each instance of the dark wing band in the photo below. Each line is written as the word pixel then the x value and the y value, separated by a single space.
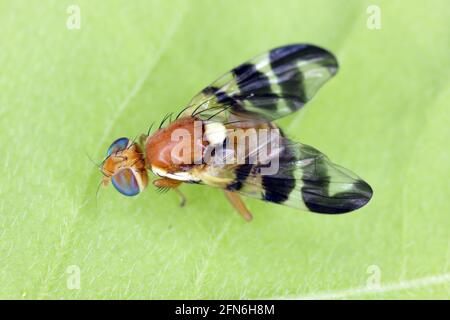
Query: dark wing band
pixel 306 179
pixel 269 86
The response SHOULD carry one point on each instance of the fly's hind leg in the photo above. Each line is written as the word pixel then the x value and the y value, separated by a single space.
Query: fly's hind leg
pixel 238 204
pixel 172 184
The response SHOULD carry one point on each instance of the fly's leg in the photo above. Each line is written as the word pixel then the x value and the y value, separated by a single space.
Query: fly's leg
pixel 182 197
pixel 239 205
pixel 171 184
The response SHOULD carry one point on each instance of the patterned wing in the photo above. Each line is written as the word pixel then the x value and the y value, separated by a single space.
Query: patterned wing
pixel 306 179
pixel 269 87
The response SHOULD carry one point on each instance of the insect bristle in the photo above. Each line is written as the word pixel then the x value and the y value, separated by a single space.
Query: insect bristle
pixel 98 189
pixel 166 117
pixel 150 128
pixel 223 109
pixel 133 142
pixel 182 111
pixel 194 112
pixel 162 190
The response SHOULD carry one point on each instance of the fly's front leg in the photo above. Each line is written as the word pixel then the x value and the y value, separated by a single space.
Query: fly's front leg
pixel 172 184
pixel 239 205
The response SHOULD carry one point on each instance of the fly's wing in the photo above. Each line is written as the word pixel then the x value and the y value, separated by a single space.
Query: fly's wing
pixel 306 179
pixel 269 86
pixel 263 89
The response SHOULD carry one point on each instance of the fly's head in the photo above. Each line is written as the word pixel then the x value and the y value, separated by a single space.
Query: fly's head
pixel 124 167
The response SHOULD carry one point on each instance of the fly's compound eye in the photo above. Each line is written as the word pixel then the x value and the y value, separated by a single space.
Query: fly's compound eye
pixel 129 182
pixel 118 145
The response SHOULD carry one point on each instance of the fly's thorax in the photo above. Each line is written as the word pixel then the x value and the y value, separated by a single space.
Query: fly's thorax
pixel 179 144
pixel 191 141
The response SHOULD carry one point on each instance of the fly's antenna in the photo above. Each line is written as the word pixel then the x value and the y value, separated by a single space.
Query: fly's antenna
pixel 98 189
pixel 98 165
pixel 96 193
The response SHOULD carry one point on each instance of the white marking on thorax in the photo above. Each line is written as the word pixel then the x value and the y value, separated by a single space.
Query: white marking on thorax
pixel 215 132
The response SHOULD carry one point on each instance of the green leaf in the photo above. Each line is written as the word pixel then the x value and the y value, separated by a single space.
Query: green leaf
pixel 67 93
